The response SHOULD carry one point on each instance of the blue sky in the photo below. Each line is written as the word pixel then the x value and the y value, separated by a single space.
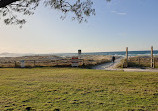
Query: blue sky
pixel 118 24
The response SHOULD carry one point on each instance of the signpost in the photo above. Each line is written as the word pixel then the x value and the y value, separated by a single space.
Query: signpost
pixel 79 54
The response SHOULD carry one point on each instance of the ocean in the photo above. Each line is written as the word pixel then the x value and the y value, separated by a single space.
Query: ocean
pixel 117 53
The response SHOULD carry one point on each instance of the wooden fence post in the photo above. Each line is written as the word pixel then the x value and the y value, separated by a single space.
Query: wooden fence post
pixel 153 62
pixel 152 58
pixel 139 61
pixel 83 63
pixel 15 63
pixel 56 62
pixel 34 63
pixel 126 56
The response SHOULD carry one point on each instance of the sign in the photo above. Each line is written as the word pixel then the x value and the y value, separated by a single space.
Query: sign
pixel 22 64
pixel 74 62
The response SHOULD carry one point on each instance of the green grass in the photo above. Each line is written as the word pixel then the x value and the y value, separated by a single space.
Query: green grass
pixel 70 89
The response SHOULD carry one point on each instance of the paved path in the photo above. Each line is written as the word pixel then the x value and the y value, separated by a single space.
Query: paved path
pixel 139 70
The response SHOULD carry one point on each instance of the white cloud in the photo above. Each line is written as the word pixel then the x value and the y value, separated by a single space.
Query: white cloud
pixel 119 13
pixel 122 13
pixel 114 11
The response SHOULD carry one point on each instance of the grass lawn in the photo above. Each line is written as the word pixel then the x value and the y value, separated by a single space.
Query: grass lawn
pixel 67 89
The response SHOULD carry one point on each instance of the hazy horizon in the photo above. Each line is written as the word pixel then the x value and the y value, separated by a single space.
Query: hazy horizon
pixel 74 52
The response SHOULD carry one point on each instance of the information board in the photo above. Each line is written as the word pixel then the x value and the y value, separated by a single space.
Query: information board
pixel 74 62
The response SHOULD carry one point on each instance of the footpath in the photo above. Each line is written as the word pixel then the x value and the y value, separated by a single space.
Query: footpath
pixel 139 70
pixel 112 67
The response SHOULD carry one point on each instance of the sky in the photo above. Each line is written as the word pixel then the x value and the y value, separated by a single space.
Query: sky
pixel 117 24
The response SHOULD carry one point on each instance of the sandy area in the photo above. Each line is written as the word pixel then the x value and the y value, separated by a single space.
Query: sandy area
pixel 109 66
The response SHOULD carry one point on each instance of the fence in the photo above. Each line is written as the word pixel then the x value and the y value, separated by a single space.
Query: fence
pixel 38 63
pixel 142 62
pixel 49 63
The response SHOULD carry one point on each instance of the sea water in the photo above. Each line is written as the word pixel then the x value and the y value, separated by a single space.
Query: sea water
pixel 119 53
pixel 116 53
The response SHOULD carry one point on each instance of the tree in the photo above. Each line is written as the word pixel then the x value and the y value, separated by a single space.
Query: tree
pixel 9 9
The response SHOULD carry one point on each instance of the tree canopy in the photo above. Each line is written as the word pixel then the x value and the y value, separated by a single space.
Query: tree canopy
pixel 9 9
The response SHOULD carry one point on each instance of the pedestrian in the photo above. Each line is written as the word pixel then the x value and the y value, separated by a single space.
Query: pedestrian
pixel 113 59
